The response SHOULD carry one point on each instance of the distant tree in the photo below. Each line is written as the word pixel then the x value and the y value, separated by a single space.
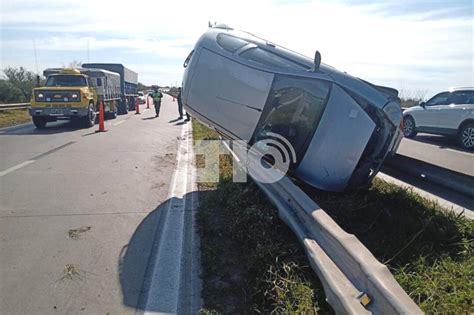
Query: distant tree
pixel 21 79
pixel 410 98
pixel 10 93
pixel 73 64
pixel 142 87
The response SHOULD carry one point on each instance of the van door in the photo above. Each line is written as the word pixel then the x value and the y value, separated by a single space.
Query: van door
pixel 229 95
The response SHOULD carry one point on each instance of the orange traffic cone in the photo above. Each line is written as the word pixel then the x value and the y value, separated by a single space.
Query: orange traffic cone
pixel 101 118
pixel 137 107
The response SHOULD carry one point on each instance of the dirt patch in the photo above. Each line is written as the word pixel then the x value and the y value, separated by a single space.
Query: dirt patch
pixel 76 233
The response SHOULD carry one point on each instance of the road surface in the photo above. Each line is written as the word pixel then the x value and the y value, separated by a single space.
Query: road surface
pixel 438 150
pixel 80 213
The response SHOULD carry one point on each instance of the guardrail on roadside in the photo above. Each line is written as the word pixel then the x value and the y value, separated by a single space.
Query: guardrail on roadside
pixel 437 175
pixel 354 281
pixel 14 106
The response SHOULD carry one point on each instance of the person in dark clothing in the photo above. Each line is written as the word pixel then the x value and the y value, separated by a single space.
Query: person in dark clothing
pixel 180 107
pixel 156 96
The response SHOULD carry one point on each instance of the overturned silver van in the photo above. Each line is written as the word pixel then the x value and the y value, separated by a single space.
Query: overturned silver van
pixel 341 127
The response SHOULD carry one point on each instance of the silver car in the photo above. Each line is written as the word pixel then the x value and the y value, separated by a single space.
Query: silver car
pixel 341 127
pixel 449 113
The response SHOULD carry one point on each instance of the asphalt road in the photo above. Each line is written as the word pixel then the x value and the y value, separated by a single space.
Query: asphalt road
pixel 80 210
pixel 438 150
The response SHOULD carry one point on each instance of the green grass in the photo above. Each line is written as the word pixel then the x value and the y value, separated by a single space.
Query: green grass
pixel 14 117
pixel 429 250
pixel 252 263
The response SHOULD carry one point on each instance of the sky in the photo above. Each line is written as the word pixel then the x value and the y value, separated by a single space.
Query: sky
pixel 418 47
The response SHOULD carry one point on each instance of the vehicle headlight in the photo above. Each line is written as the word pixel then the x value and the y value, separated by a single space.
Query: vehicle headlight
pixel 40 95
pixel 393 112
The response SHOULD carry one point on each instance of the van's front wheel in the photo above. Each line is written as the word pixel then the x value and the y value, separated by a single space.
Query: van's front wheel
pixel 39 122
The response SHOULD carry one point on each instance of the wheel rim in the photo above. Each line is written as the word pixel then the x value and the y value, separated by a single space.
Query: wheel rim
pixel 91 113
pixel 468 137
pixel 407 126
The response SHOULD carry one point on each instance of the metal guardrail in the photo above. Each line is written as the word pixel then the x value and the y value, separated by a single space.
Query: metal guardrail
pixel 14 106
pixel 354 281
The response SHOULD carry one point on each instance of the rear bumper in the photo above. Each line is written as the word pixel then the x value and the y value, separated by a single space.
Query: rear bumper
pixel 58 111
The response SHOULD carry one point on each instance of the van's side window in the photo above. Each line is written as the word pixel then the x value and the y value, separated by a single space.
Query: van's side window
pixel 259 56
pixel 293 110
pixel 230 43
pixel 186 62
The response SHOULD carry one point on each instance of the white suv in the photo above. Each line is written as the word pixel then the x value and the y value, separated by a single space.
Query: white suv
pixel 448 113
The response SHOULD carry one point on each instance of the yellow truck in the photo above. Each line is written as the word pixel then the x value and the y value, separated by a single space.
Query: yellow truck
pixel 75 94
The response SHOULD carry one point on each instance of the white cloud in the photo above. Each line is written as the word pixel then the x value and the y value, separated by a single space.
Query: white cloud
pixel 396 50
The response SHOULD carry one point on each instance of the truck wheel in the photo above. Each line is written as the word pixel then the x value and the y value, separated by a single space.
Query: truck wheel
pixel 39 122
pixel 89 120
pixel 113 114
pixel 466 136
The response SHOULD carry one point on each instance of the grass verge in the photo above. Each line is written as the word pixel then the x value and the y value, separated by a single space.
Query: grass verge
pixel 14 117
pixel 252 263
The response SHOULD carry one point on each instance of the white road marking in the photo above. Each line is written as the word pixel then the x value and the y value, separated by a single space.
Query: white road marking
pixel 16 167
pixel 460 152
pixel 118 123
pixel 162 295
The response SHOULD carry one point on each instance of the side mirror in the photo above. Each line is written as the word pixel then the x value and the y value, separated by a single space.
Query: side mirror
pixel 423 104
pixel 317 61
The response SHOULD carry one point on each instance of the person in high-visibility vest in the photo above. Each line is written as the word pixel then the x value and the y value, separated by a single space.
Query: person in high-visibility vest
pixel 156 96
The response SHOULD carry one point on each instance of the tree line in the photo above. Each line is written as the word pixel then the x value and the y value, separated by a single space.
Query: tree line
pixel 17 85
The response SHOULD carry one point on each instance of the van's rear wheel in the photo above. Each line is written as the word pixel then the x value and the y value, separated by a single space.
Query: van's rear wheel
pixel 39 122
pixel 89 119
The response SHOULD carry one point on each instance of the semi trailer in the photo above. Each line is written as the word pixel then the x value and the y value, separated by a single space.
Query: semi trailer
pixel 128 84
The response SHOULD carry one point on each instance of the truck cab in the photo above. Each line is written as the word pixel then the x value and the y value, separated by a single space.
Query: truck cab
pixel 74 94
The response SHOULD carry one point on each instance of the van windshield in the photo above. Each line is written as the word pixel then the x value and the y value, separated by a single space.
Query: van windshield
pixel 66 80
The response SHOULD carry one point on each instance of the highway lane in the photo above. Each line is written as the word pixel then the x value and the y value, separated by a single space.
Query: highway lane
pixel 77 222
pixel 438 150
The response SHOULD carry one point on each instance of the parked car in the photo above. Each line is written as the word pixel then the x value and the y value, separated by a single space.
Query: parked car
pixel 449 113
pixel 141 97
pixel 341 127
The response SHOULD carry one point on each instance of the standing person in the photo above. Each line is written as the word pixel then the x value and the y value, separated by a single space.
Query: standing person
pixel 180 106
pixel 156 96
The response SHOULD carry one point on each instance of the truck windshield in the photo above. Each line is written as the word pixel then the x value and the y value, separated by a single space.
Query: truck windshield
pixel 66 80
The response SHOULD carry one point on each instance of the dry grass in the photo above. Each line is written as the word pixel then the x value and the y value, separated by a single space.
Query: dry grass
pixel 13 117
pixel 76 233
